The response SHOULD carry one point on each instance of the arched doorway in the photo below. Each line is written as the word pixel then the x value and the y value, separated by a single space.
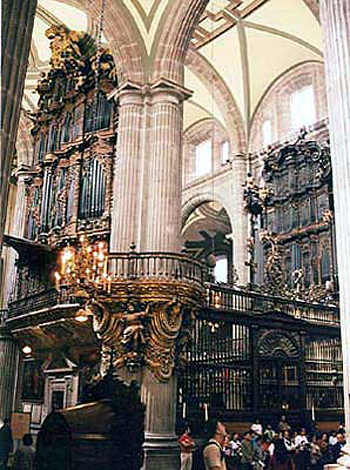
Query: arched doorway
pixel 279 372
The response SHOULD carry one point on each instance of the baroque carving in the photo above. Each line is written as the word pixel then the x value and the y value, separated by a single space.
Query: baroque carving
pixel 151 333
pixel 274 270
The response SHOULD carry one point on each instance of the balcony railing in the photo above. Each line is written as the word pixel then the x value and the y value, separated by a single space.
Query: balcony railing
pixel 174 267
pixel 39 301
pixel 225 298
pixel 164 267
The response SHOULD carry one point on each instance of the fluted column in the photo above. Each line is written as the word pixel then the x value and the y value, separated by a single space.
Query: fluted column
pixel 16 32
pixel 8 365
pixel 335 20
pixel 16 227
pixel 164 194
pixel 240 218
pixel 161 446
pixel 127 174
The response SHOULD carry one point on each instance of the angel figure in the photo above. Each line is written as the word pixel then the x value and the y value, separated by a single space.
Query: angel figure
pixel 134 333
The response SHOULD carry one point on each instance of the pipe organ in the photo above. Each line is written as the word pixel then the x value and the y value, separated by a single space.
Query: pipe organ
pixel 74 131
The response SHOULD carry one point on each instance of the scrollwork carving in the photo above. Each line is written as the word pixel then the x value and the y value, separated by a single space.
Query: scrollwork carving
pixel 140 334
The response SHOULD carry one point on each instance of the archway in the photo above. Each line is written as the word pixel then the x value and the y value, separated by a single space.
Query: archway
pixel 207 231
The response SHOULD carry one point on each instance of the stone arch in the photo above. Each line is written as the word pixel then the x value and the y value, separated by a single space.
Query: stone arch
pixel 200 131
pixel 314 8
pixel 172 40
pixel 125 42
pixel 202 68
pixel 276 96
pixel 195 201
pixel 278 344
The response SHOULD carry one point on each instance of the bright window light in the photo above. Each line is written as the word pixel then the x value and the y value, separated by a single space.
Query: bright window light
pixel 221 269
pixel 225 152
pixel 203 158
pixel 302 107
pixel 267 132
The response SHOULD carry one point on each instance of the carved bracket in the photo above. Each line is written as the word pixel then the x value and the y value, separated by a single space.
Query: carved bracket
pixel 136 334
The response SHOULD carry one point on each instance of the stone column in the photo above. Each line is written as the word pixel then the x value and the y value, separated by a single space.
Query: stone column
pixel 127 172
pixel 15 227
pixel 161 446
pixel 240 219
pixel 335 20
pixel 164 193
pixel 16 32
pixel 8 361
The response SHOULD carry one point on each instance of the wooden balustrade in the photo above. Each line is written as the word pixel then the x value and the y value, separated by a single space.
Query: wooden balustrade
pixel 165 267
pixel 229 299
pixel 174 267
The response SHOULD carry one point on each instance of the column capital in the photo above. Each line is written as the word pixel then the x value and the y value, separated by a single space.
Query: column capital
pixel 128 93
pixel 165 88
pixel 134 93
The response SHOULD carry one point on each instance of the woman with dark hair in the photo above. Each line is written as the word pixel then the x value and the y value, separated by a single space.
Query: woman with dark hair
pixel 187 446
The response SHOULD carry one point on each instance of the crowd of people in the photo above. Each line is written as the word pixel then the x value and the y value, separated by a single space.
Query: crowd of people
pixel 24 456
pixel 261 448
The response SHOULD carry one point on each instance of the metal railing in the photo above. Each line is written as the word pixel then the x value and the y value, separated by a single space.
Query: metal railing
pixel 226 298
pixel 165 267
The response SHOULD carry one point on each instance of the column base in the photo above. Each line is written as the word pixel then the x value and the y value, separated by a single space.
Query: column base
pixel 161 452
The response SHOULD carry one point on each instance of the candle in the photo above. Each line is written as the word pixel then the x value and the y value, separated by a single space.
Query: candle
pixel 313 412
pixel 184 410
pixel 206 412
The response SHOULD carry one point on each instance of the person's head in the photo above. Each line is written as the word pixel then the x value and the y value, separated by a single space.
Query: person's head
pixel 256 421
pixel 236 436
pixel 283 418
pixel 286 434
pixel 303 432
pixel 27 440
pixel 314 438
pixel 324 437
pixel 217 430
pixel 247 436
pixel 269 427
pixel 340 437
pixel 187 430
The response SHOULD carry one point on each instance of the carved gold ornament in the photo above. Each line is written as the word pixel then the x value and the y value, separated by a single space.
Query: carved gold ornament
pixel 136 334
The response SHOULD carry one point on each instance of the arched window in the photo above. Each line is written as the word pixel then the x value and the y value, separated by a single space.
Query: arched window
pixel 267 132
pixel 221 269
pixel 302 107
pixel 225 152
pixel 203 161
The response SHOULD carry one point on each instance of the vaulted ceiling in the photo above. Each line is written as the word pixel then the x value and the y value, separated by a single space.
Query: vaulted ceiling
pixel 242 45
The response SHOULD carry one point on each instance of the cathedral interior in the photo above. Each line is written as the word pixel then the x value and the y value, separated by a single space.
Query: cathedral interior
pixel 174 213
